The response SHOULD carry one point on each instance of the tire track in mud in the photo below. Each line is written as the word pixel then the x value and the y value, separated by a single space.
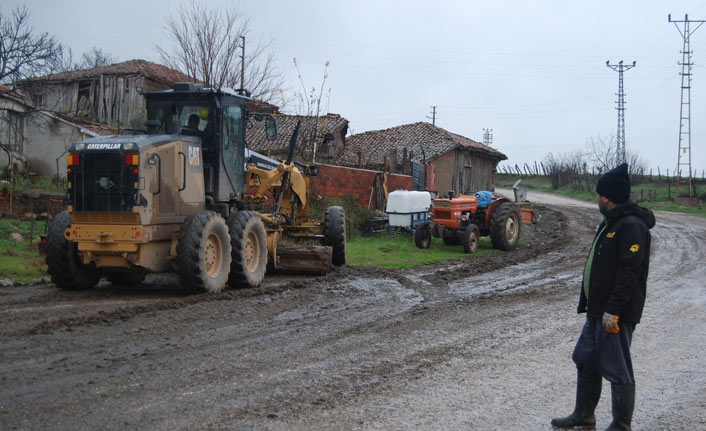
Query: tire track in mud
pixel 110 305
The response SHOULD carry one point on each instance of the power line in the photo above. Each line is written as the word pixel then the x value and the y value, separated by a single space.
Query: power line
pixel 620 150
pixel 433 116
pixel 684 153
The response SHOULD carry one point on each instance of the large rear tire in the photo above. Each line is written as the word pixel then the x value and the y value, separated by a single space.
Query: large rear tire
pixel 422 235
pixel 335 234
pixel 470 239
pixel 62 260
pixel 203 252
pixel 505 226
pixel 248 241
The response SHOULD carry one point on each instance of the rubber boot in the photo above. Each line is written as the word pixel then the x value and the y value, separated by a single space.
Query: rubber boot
pixel 588 392
pixel 623 405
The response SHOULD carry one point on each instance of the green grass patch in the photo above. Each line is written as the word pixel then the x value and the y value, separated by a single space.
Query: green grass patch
pixel 37 186
pixel 20 261
pixel 397 251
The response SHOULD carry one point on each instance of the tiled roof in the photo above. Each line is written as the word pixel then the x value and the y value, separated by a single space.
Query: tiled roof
pixel 154 71
pixel 328 125
pixel 4 89
pixel 374 145
pixel 97 128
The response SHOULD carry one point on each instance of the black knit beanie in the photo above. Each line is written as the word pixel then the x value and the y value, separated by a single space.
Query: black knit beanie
pixel 615 184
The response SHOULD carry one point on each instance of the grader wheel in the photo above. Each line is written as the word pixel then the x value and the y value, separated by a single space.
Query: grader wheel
pixel 62 261
pixel 249 249
pixel 203 252
pixel 335 234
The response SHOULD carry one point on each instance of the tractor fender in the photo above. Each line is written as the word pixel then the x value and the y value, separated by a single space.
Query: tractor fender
pixel 491 208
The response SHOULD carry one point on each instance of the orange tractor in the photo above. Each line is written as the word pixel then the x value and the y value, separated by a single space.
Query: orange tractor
pixel 464 219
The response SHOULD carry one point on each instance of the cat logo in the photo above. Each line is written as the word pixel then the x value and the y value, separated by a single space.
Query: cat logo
pixel 610 234
pixel 194 156
pixel 634 248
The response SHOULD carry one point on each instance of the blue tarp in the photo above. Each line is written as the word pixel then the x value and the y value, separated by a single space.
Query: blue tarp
pixel 484 198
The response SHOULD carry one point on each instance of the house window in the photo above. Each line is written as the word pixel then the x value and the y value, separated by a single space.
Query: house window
pixel 15 129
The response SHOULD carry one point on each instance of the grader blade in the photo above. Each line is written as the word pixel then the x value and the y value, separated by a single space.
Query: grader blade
pixel 310 259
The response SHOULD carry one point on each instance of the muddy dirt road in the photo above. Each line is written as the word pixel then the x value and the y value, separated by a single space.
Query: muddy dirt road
pixel 479 344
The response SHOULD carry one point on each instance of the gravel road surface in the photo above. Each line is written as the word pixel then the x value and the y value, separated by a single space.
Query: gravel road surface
pixel 482 343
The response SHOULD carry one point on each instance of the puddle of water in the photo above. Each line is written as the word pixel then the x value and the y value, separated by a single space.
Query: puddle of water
pixel 384 289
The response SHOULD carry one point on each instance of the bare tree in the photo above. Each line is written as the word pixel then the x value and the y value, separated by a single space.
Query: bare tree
pixel 206 44
pixel 94 58
pixel 601 154
pixel 23 52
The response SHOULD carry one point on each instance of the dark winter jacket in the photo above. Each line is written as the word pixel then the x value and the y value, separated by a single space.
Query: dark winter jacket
pixel 618 280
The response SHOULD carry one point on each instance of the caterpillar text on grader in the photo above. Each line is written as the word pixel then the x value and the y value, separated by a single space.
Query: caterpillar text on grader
pixel 175 199
pixel 464 219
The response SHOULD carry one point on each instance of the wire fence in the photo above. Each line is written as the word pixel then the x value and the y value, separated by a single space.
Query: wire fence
pixel 540 169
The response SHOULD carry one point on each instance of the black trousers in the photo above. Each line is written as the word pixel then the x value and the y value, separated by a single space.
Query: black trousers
pixel 598 351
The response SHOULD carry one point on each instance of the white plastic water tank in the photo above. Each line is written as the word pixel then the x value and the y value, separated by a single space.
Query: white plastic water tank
pixel 404 207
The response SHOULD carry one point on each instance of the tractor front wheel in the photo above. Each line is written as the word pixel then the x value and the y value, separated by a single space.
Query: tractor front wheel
pixel 470 239
pixel 203 252
pixel 505 226
pixel 62 260
pixel 248 240
pixel 422 235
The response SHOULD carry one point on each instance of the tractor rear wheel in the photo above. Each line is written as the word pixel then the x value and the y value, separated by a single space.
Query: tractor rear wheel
pixel 203 252
pixel 62 260
pixel 470 239
pixel 505 226
pixel 422 235
pixel 248 241
pixel 335 234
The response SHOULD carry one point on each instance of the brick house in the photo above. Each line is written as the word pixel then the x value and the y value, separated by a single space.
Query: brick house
pixel 438 159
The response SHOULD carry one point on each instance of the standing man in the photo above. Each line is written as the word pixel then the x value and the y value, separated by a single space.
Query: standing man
pixel 612 295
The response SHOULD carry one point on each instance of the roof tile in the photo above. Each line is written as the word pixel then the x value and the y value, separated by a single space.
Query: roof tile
pixel 372 147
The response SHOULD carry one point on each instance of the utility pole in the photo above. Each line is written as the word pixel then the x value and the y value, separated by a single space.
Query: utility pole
pixel 242 64
pixel 620 149
pixel 488 137
pixel 433 115
pixel 684 153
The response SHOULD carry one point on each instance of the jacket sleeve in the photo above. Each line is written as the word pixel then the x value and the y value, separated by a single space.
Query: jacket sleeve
pixel 632 240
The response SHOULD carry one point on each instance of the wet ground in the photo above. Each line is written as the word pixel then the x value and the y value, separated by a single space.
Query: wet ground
pixel 478 344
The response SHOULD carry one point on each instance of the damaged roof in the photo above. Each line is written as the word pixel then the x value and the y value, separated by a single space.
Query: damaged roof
pixel 157 72
pixel 422 140
pixel 322 128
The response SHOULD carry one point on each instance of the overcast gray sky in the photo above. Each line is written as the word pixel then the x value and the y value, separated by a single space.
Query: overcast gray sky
pixel 533 71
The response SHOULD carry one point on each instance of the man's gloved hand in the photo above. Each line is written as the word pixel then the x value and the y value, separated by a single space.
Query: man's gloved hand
pixel 610 323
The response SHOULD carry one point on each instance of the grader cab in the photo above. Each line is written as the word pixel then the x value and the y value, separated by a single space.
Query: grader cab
pixel 175 198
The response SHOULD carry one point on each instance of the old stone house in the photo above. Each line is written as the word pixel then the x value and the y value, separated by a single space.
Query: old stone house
pixel 320 139
pixel 438 159
pixel 34 141
pixel 106 94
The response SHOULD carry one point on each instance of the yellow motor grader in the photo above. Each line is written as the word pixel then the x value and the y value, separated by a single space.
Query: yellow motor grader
pixel 175 198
